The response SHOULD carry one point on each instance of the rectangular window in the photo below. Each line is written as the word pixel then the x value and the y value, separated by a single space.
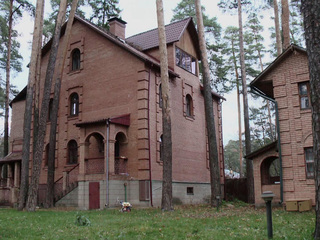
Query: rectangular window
pixel 186 61
pixel 304 94
pixel 308 153
pixel 190 191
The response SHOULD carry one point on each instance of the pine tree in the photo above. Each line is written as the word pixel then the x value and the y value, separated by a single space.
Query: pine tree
pixel 35 54
pixel 209 116
pixel 104 10
pixel 296 24
pixel 37 155
pixel 55 108
pixel 12 11
pixel 49 23
pixel 311 13
pixel 213 30
pixel 166 201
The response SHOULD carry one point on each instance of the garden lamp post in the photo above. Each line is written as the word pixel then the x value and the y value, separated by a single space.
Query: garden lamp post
pixel 267 196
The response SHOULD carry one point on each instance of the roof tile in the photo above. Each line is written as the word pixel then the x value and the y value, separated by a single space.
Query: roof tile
pixel 150 39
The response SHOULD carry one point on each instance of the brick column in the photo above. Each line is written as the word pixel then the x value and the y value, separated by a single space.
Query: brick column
pixel 143 146
pixel 16 174
pixel 82 154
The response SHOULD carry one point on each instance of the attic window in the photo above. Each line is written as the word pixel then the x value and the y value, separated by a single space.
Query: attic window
pixel 186 61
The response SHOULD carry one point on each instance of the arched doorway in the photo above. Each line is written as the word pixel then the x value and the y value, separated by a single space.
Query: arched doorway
pixel 270 171
pixel 94 154
pixel 270 176
pixel 120 154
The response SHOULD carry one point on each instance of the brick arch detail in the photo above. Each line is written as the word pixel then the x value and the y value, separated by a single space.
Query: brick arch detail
pixel 307 139
pixel 93 133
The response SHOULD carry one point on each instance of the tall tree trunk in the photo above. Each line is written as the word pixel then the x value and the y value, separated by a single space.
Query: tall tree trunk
pixel 285 23
pixel 166 202
pixel 212 137
pixel 55 108
pixel 35 54
pixel 239 111
pixel 268 102
pixel 240 127
pixel 7 98
pixel 277 27
pixel 311 13
pixel 34 185
pixel 37 95
pixel 249 164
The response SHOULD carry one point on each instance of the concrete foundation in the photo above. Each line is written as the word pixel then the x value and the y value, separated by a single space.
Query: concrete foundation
pixel 183 193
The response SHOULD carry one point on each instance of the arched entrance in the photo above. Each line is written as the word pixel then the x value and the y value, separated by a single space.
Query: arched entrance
pixel 120 154
pixel 94 154
pixel 270 171
pixel 270 176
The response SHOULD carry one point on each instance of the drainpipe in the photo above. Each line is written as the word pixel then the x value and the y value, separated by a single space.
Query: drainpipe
pixel 150 174
pixel 261 94
pixel 107 161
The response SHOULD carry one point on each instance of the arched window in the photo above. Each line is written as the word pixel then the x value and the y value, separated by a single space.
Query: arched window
pixel 50 110
pixel 75 59
pixel 72 152
pixel 74 104
pixel 120 159
pixel 46 156
pixel 270 171
pixel 161 148
pixel 189 106
pixel 160 96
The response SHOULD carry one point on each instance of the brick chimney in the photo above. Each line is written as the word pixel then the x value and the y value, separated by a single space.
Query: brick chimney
pixel 117 27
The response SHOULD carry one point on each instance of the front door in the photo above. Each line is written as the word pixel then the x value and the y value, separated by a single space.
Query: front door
pixel 94 195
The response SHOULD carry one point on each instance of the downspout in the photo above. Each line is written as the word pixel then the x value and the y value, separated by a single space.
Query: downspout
pixel 107 161
pixel 149 152
pixel 259 93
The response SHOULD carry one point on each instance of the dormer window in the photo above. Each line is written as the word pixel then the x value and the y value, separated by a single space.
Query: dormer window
pixel 186 61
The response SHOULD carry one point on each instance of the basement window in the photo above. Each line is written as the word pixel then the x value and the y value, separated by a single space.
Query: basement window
pixel 190 191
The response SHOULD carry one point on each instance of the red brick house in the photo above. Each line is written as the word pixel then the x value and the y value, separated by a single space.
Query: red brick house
pixel 109 123
pixel 286 82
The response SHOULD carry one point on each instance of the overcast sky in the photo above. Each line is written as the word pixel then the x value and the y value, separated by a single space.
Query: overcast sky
pixel 140 16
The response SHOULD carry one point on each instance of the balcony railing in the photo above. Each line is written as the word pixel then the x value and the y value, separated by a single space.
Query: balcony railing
pixel 94 165
pixel 120 165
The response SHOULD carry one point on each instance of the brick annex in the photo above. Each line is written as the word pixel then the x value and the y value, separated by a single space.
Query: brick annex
pixel 286 82
pixel 109 133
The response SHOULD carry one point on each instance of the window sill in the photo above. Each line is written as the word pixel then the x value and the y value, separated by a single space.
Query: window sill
pixel 73 117
pixel 190 118
pixel 75 71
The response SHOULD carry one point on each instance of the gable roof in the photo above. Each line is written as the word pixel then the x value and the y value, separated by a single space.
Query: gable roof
pixel 271 146
pixel 154 62
pixel 20 97
pixel 256 83
pixel 150 39
pixel 134 44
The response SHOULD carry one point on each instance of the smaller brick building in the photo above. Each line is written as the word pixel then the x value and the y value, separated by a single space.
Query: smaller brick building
pixel 286 81
pixel 109 122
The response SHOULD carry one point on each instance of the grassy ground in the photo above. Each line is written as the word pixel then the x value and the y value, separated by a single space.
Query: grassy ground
pixel 189 222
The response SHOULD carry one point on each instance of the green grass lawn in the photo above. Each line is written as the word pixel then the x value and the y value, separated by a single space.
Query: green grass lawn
pixel 186 222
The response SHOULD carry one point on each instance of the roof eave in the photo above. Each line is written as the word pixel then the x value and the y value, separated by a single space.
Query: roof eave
pixel 280 58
